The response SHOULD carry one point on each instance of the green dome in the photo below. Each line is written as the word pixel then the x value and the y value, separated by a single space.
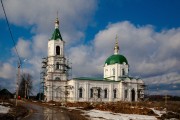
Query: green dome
pixel 116 59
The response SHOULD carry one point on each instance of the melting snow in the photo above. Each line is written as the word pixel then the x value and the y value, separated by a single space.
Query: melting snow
pixel 106 115
pixel 4 109
pixel 158 112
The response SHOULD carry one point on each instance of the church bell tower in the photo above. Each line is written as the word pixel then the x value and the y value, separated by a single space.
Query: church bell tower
pixel 57 67
pixel 57 63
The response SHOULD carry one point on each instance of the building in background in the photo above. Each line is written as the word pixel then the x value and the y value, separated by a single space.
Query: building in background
pixel 116 85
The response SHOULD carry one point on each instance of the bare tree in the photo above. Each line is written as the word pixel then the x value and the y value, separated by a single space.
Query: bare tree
pixel 25 86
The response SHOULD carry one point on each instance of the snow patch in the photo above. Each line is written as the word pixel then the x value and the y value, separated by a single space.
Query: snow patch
pixel 158 112
pixel 4 109
pixel 106 115
pixel 72 108
pixel 4 103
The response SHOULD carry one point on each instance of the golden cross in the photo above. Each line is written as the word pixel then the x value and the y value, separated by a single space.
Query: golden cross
pixel 57 14
pixel 116 38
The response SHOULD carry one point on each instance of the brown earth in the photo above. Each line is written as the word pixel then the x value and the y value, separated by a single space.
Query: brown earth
pixel 117 107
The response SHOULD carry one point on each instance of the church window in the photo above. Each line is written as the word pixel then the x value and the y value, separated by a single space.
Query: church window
pixel 126 93
pixel 139 93
pixel 80 92
pixel 91 93
pixel 57 78
pixel 57 66
pixel 99 92
pixel 115 93
pixel 123 71
pixel 113 71
pixel 57 50
pixel 105 93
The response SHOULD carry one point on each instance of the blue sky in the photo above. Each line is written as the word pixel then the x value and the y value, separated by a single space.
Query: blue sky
pixel 148 30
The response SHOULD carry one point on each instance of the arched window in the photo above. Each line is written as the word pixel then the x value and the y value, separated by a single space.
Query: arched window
pixel 113 70
pixel 99 92
pixel 57 66
pixel 115 93
pixel 123 71
pixel 80 92
pixel 57 78
pixel 105 93
pixel 139 93
pixel 91 93
pixel 126 93
pixel 57 50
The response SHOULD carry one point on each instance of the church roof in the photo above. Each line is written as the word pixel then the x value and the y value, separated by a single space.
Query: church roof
pixel 116 59
pixel 56 35
pixel 94 79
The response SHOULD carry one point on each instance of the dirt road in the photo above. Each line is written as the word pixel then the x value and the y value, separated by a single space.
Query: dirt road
pixel 38 112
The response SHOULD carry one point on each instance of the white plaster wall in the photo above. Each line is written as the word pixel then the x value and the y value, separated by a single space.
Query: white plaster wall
pixel 87 85
pixel 52 47
pixel 52 73
pixel 108 71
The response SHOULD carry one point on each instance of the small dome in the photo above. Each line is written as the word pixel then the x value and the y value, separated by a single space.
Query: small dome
pixel 116 59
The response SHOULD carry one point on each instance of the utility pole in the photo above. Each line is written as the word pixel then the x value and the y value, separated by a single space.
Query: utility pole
pixel 40 87
pixel 25 90
pixel 17 82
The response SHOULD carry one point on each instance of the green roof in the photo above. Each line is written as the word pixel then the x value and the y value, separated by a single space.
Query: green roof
pixel 116 59
pixel 94 79
pixel 88 78
pixel 56 35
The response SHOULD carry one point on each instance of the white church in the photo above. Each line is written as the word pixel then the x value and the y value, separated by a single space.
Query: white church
pixel 116 84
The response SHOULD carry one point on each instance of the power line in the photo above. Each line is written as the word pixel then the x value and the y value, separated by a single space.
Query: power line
pixel 19 60
pixel 12 38
pixel 11 33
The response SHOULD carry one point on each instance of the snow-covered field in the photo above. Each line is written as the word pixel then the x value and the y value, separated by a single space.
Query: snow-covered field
pixel 4 109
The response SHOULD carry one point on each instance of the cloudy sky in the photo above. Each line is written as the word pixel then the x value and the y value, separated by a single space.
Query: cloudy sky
pixel 148 31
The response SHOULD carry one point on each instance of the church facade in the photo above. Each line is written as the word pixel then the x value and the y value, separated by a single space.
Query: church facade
pixel 116 84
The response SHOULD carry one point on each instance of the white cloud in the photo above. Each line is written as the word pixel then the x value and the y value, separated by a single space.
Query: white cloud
pixel 7 71
pixel 40 45
pixel 23 47
pixel 168 78
pixel 83 63
pixel 74 15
